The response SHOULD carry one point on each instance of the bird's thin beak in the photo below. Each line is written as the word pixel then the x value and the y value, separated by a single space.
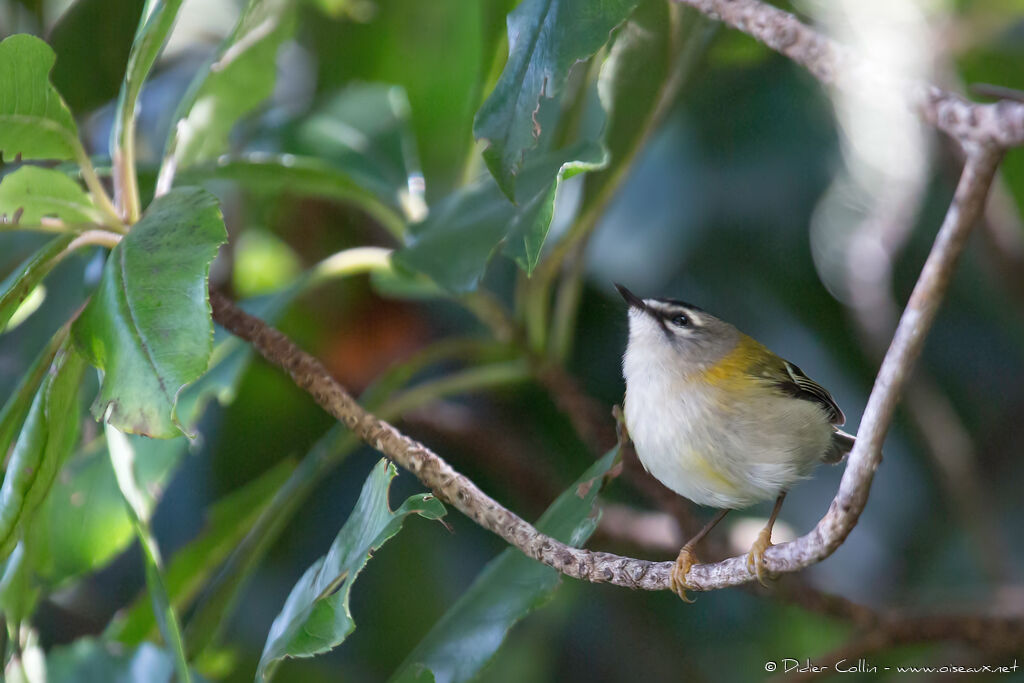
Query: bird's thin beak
pixel 632 299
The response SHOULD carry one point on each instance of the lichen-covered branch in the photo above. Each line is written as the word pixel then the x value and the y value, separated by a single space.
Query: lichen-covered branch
pixel 436 474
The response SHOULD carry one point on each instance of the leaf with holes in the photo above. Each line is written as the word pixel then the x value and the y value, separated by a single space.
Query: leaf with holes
pixel 316 616
pixel 148 324
pixel 31 194
pixel 34 121
pixel 546 37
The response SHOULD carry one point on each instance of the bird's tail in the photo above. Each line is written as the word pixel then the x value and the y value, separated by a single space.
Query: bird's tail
pixel 842 444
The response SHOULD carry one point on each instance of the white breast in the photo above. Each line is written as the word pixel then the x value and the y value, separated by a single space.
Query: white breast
pixel 714 449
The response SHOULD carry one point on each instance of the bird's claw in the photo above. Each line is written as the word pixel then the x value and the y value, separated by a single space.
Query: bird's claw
pixel 755 558
pixel 677 580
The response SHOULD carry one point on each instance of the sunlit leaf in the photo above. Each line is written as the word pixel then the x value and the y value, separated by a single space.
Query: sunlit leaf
pixel 316 616
pixel 34 121
pixel 510 587
pixel 48 436
pixel 546 37
pixel 236 82
pixel 148 324
pixel 30 194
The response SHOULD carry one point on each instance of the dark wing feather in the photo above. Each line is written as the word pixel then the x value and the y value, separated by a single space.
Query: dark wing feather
pixel 799 385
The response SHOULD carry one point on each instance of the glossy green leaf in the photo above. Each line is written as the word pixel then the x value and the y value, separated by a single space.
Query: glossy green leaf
pixel 83 524
pixel 228 521
pixel 20 283
pixel 48 436
pixel 89 70
pixel 236 82
pixel 140 507
pixel 31 193
pixel 652 56
pixel 148 324
pixel 300 175
pixel 90 660
pixel 34 121
pixel 18 403
pixel 510 587
pixel 155 24
pixel 457 240
pixel 365 131
pixel 18 592
pixel 546 37
pixel 316 616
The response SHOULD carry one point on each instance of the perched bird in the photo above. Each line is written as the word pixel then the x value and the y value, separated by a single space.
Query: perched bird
pixel 720 419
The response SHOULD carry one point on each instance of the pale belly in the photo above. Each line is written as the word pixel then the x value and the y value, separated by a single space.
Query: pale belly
pixel 720 453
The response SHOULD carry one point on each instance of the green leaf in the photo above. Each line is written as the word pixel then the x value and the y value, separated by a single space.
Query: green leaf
pixel 155 24
pixel 509 588
pixel 301 175
pixel 83 524
pixel 316 617
pixel 19 284
pixel 48 436
pixel 237 81
pixel 31 193
pixel 89 71
pixel 34 121
pixel 90 660
pixel 460 235
pixel 652 56
pixel 546 37
pixel 138 501
pixel 231 357
pixel 18 592
pixel 365 131
pixel 12 415
pixel 229 520
pixel 148 324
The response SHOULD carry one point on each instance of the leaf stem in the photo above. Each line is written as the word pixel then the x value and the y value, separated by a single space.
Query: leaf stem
pixel 96 189
pixel 355 261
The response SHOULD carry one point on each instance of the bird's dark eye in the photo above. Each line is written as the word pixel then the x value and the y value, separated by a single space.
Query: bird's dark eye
pixel 681 321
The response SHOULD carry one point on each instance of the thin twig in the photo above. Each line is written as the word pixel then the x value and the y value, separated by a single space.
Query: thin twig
pixel 1000 124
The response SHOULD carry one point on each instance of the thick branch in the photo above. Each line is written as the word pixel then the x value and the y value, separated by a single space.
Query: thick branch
pixel 999 125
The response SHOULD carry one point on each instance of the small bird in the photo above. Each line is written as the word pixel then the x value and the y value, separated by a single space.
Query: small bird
pixel 720 419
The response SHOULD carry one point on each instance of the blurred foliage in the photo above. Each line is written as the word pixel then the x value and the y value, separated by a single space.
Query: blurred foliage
pixel 434 199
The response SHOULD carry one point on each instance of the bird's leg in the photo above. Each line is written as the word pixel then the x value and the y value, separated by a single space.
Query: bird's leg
pixel 755 558
pixel 687 558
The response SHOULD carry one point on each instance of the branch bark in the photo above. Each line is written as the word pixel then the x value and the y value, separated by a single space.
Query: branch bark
pixel 1000 124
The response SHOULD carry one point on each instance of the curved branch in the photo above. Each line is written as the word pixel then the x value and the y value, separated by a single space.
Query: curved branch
pixel 464 495
pixel 436 474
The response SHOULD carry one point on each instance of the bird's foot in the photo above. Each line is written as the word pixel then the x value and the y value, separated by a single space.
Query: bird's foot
pixel 755 558
pixel 677 580
pixel 621 432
